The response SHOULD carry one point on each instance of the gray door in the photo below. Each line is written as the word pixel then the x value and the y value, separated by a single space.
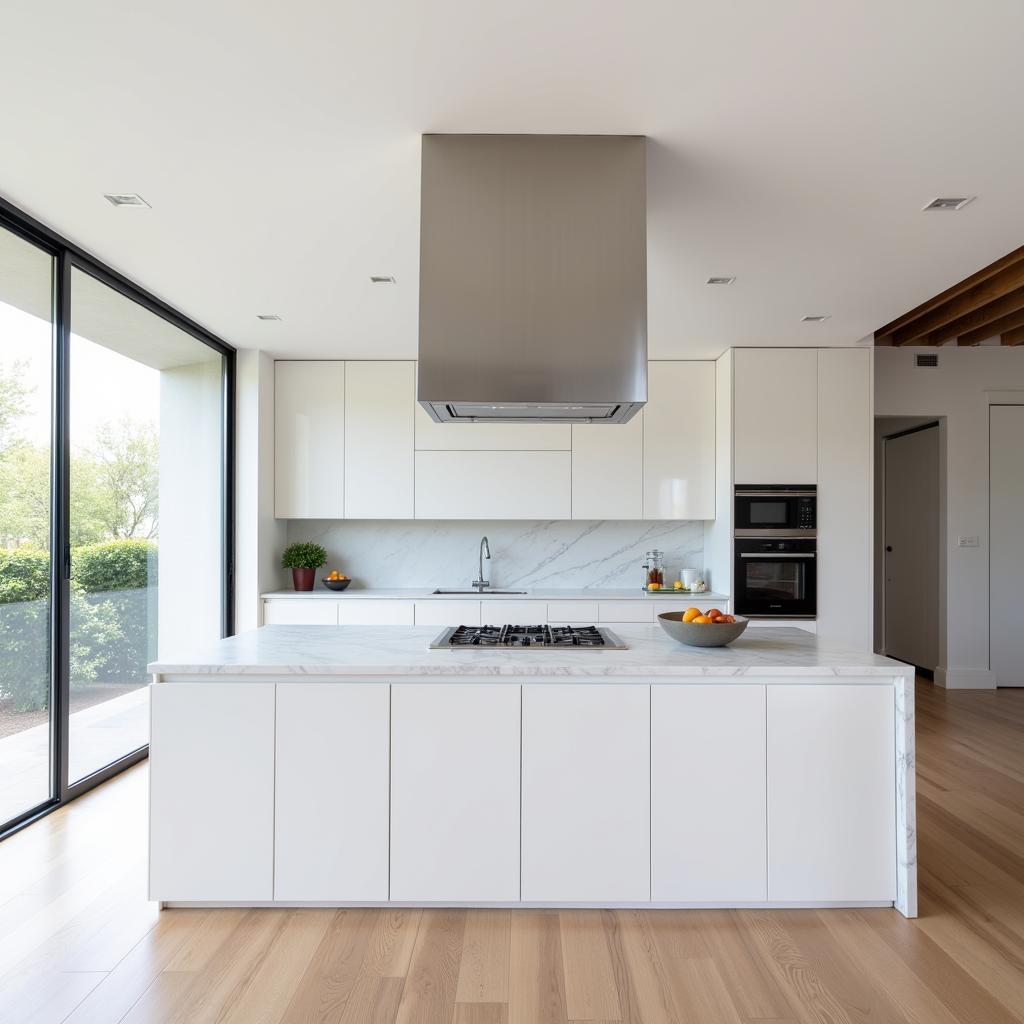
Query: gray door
pixel 1006 574
pixel 911 542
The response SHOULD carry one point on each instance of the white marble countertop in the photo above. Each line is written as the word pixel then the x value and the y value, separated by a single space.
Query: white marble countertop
pixel 425 594
pixel 390 653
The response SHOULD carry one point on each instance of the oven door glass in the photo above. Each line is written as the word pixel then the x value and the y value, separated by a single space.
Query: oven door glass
pixel 783 586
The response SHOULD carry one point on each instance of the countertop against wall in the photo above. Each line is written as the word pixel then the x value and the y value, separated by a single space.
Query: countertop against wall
pixel 424 594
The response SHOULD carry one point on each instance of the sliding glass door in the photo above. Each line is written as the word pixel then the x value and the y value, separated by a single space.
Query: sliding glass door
pixel 115 502
pixel 26 678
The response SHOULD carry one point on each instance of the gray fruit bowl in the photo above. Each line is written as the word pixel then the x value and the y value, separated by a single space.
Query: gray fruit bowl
pixel 701 634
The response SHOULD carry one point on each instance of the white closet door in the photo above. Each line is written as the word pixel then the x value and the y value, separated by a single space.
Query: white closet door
pixel 1006 613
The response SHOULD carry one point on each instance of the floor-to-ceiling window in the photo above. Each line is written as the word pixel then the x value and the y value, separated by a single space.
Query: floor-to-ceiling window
pixel 115 434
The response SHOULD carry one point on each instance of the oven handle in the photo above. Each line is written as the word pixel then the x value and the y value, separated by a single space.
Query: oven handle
pixel 768 554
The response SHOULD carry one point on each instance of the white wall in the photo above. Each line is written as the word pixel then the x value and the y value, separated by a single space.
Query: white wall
pixel 259 537
pixel 960 389
pixel 190 556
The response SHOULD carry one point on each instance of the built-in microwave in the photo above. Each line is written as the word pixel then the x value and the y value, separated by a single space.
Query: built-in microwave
pixel 776 577
pixel 777 511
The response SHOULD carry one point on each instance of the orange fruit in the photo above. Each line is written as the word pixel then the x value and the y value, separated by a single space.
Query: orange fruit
pixel 690 614
pixel 702 619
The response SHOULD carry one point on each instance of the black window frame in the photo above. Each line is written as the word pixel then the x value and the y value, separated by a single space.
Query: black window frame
pixel 68 257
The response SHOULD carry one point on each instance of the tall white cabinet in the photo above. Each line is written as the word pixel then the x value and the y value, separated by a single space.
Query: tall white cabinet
pixel 775 419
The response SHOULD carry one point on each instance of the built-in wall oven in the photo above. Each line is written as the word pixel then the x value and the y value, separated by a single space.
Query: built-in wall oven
pixel 775 572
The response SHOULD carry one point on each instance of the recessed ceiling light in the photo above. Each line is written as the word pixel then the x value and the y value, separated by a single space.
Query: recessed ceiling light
pixel 949 203
pixel 815 318
pixel 267 316
pixel 125 199
pixel 381 279
pixel 721 280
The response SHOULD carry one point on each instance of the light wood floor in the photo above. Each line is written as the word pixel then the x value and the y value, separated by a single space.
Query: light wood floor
pixel 78 942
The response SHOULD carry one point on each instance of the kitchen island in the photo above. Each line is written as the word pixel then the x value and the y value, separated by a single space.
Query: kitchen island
pixel 351 765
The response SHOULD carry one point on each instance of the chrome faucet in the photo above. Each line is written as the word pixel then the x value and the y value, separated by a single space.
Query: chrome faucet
pixel 485 552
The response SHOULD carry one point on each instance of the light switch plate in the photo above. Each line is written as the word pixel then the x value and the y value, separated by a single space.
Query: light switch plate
pixel 967 542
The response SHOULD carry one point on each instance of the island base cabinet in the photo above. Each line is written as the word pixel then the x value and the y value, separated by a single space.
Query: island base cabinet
pixel 586 793
pixel 831 793
pixel 331 800
pixel 455 792
pixel 708 804
pixel 211 757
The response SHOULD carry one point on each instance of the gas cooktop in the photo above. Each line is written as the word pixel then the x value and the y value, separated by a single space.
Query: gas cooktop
pixel 584 638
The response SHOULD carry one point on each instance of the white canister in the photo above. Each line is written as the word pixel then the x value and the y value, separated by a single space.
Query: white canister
pixel 690 576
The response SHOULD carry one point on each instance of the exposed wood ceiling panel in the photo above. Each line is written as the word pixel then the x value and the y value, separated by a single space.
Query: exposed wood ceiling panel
pixel 986 304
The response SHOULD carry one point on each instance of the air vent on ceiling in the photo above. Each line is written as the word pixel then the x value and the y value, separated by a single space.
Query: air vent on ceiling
pixel 816 318
pixel 949 203
pixel 927 359
pixel 383 279
pixel 124 199
pixel 267 316
pixel 721 280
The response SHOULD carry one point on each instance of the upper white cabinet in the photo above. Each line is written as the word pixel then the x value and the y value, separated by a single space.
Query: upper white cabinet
pixel 493 484
pixel 309 439
pixel 679 441
pixel 490 437
pixel 775 399
pixel 379 401
pixel 608 470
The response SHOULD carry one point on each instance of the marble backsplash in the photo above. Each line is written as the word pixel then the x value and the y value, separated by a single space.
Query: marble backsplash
pixel 525 554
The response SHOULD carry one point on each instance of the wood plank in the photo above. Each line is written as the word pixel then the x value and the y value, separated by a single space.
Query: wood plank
pixel 391 943
pixel 590 991
pixel 978 317
pixel 483 972
pixel 1004 324
pixel 536 992
pixel 429 993
pixel 1012 337
pixel 373 1000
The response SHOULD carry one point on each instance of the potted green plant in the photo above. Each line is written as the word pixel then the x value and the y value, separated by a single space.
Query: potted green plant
pixel 303 559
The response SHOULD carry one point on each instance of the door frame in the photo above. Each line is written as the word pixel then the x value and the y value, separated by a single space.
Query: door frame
pixel 67 257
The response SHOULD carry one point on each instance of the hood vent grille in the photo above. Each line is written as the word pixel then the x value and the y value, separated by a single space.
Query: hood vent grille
pixel 927 359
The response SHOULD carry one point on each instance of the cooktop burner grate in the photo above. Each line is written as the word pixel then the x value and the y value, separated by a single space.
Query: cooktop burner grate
pixel 524 637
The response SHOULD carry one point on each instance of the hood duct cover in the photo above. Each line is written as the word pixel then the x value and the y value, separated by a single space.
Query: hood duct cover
pixel 533 278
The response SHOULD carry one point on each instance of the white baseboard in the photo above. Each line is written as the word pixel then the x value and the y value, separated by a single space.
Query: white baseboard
pixel 965 678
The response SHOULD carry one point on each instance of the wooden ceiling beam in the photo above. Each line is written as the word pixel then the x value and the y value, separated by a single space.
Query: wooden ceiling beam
pixel 979 317
pixel 1015 336
pixel 884 334
pixel 1001 326
pixel 993 289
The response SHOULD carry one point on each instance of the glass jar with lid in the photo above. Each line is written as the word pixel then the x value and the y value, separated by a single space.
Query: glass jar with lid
pixel 654 569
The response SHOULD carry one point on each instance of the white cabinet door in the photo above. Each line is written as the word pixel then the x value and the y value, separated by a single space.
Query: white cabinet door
pixel 371 611
pixel 708 809
pixel 580 613
pixel 498 611
pixel 331 803
pixel 447 613
pixel 380 398
pixel 455 792
pixel 626 611
pixel 845 511
pixel 493 485
pixel 608 470
pixel 309 439
pixel 679 441
pixel 211 765
pixel 586 793
pixel 300 611
pixel 831 793
pixel 775 402
pixel 492 437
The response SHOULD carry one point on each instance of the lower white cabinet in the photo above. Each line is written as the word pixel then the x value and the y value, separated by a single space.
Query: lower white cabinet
pixel 447 613
pixel 708 805
pixel 211 764
pixel 373 611
pixel 455 792
pixel 831 793
pixel 331 799
pixel 586 793
pixel 300 612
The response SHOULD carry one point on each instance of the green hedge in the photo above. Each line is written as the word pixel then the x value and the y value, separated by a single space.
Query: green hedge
pixel 110 638
pixel 117 565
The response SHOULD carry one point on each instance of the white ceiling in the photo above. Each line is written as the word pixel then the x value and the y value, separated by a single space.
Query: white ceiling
pixel 793 144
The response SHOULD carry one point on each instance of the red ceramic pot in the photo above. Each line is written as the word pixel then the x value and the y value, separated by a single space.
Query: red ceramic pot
pixel 303 579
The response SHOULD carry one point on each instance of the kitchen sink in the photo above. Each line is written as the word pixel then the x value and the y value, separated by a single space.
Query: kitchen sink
pixel 478 593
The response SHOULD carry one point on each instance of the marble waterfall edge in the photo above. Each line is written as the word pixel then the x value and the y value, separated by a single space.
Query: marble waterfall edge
pixel 526 555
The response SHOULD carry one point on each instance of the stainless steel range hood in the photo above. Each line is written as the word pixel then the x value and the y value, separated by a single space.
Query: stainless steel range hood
pixel 533 278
